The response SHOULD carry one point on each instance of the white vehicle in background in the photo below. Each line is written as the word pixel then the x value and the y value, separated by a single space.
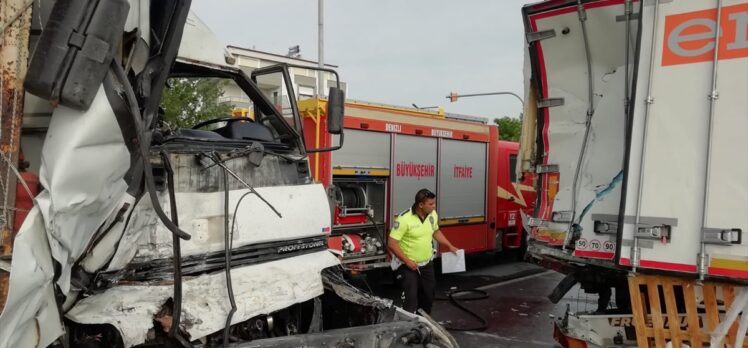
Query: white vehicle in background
pixel 150 236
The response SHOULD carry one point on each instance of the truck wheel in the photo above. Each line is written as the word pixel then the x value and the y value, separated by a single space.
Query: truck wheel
pixel 522 250
pixel 623 298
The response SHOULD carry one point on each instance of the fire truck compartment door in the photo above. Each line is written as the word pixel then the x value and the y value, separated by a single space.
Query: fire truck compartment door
pixel 363 149
pixel 413 168
pixel 462 179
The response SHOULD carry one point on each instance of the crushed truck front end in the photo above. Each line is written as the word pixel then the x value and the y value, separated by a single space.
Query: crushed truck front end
pixel 149 233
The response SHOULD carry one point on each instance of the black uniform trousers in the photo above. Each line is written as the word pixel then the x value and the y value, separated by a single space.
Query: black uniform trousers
pixel 418 287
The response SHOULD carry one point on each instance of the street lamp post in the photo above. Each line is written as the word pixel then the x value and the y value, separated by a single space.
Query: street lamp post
pixel 424 107
pixel 320 49
pixel 453 96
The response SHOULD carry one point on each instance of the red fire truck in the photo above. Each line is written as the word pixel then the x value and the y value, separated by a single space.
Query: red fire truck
pixel 513 194
pixel 390 152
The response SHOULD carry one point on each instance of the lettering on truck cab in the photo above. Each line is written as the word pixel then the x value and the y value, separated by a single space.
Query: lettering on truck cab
pixel 689 37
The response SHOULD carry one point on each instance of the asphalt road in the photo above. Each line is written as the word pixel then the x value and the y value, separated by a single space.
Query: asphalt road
pixel 517 311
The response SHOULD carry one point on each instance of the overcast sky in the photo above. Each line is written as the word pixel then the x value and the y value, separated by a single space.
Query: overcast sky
pixel 393 51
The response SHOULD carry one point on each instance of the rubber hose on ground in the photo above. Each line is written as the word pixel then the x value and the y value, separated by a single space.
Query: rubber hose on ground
pixel 458 302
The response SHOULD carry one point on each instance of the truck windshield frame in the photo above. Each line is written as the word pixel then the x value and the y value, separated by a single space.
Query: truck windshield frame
pixel 286 76
pixel 287 133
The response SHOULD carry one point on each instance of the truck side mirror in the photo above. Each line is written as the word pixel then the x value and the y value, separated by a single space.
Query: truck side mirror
pixel 75 51
pixel 335 110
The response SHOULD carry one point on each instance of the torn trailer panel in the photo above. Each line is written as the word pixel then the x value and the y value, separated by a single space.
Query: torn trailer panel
pixel 654 179
pixel 642 164
pixel 577 143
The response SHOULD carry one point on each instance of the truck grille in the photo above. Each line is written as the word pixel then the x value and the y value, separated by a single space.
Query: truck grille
pixel 161 270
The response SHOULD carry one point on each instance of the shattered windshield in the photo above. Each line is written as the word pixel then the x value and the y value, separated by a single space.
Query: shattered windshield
pixel 218 108
pixel 188 101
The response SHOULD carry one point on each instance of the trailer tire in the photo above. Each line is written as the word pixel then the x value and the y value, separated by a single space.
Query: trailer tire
pixel 623 298
pixel 522 250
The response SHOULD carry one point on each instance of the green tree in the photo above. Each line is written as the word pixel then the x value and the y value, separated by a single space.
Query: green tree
pixel 190 100
pixel 509 128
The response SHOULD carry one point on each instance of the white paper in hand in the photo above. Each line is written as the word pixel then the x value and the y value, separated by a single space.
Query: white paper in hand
pixel 453 262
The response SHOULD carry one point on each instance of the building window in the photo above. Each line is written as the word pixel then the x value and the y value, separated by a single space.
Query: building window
pixel 306 92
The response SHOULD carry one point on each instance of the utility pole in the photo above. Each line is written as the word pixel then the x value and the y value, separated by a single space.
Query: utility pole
pixel 320 49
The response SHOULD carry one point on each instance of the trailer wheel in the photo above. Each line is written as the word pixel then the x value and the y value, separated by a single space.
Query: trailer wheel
pixel 623 298
pixel 522 250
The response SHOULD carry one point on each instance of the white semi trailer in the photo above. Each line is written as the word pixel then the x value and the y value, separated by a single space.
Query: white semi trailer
pixel 635 129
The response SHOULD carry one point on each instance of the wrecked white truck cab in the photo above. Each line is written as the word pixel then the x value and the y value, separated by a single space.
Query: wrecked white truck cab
pixel 148 235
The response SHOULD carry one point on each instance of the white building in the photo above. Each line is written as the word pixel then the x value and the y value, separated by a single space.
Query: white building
pixel 304 80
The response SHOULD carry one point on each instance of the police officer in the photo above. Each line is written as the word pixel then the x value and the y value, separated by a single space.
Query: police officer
pixel 411 243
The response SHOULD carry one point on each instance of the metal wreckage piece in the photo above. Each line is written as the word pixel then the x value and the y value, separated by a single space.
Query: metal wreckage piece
pixel 133 241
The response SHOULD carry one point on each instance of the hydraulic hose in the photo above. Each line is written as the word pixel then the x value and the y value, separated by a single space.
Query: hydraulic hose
pixel 143 149
pixel 229 233
pixel 457 302
pixel 380 232
pixel 176 311
pixel 228 244
pixel 582 14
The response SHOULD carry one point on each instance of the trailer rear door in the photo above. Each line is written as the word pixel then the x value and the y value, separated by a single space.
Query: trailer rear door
pixel 695 177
